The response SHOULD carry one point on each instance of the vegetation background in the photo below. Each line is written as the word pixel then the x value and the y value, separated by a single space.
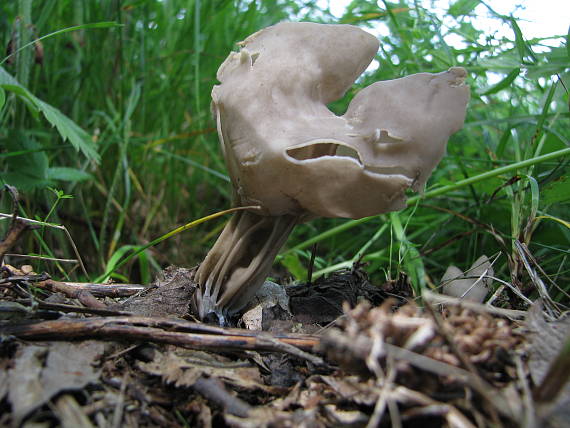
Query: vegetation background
pixel 105 128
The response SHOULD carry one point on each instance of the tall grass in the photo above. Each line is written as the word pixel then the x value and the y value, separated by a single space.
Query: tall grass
pixel 141 92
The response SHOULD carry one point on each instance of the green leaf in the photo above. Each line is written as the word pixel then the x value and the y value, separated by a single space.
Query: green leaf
pixel 34 163
pixel 67 174
pixel 23 181
pixel 503 84
pixel 503 142
pixel 557 191
pixel 534 196
pixel 462 7
pixel 22 93
pixel 520 43
pixel 293 264
pixel 113 262
pixel 67 128
pixel 2 98
pixel 144 268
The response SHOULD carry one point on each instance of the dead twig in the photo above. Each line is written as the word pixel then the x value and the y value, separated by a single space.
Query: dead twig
pixel 290 349
pixel 35 223
pixel 160 330
pixel 72 289
pixel 87 299
pixel 17 226
pixel 215 391
pixel 430 407
pixel 61 307
pixel 119 406
pixel 526 257
pixel 362 347
pixel 441 299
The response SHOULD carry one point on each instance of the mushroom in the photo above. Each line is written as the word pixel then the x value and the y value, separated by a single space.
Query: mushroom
pixel 473 285
pixel 288 154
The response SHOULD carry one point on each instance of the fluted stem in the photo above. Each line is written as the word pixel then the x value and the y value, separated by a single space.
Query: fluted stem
pixel 238 263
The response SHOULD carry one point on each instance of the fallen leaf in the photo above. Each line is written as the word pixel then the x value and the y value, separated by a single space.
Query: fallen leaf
pixel 546 341
pixel 184 368
pixel 42 372
pixel 25 388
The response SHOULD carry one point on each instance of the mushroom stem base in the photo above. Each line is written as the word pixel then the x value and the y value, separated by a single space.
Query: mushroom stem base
pixel 238 263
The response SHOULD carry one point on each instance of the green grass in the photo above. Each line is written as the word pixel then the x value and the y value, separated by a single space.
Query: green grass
pixel 117 115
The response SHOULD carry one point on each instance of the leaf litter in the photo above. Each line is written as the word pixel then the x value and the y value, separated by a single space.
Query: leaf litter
pixel 365 359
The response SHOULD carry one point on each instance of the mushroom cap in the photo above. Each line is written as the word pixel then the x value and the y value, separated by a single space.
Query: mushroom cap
pixel 287 152
pixel 472 285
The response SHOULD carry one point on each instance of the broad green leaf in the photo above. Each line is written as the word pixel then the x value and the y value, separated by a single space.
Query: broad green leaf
pixel 24 182
pixel 557 191
pixel 67 128
pixel 7 79
pixel 8 83
pixel 32 164
pixel 67 174
pixel 462 7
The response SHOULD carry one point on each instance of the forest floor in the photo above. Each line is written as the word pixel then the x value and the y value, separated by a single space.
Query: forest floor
pixel 337 352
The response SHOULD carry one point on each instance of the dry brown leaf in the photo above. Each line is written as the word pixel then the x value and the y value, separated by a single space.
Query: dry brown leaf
pixel 185 367
pixel 546 341
pixel 42 372
pixel 25 389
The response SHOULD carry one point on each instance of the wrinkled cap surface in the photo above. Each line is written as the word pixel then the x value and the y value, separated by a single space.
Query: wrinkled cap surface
pixel 287 152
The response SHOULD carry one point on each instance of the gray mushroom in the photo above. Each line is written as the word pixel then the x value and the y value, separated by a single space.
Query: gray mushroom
pixel 473 285
pixel 290 155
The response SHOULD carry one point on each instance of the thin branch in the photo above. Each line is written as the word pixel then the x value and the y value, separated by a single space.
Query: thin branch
pixel 161 330
pixel 54 226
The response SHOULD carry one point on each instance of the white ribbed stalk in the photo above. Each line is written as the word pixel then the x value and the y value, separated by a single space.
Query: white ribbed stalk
pixel 238 263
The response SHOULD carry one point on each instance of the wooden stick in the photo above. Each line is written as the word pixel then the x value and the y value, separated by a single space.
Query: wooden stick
pixel 71 289
pixel 187 334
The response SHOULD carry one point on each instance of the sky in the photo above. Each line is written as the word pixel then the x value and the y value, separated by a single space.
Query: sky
pixel 536 18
